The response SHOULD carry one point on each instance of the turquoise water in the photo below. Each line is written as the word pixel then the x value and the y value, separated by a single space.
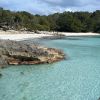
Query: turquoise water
pixel 76 78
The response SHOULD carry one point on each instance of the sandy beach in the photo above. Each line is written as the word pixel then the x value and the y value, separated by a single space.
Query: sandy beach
pixel 80 34
pixel 17 35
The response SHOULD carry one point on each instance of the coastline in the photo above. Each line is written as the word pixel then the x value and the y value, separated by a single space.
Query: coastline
pixel 19 36
pixel 13 41
pixel 20 53
pixel 23 35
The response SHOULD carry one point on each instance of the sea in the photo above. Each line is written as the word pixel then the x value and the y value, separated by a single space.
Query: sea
pixel 75 78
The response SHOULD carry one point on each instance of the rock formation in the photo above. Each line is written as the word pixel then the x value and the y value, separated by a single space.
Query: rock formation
pixel 17 53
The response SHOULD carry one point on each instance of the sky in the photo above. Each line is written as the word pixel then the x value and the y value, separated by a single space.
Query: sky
pixel 45 7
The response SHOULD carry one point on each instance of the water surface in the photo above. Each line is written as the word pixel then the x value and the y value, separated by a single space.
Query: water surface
pixel 76 78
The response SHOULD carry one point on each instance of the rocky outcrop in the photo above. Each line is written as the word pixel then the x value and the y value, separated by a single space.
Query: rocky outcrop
pixel 17 53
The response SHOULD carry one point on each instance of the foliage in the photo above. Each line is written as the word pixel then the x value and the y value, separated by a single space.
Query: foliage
pixel 66 21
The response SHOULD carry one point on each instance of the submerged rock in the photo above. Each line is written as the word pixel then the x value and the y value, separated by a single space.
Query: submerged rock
pixel 0 75
pixel 17 53
pixel 99 98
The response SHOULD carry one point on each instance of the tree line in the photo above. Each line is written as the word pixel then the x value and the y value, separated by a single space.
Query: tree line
pixel 63 22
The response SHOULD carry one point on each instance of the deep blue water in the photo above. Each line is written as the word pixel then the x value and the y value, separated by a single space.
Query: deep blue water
pixel 76 78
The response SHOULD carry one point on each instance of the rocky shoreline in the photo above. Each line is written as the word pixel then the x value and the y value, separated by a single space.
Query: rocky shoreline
pixel 19 53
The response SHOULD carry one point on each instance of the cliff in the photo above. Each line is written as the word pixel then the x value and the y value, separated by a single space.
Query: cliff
pixel 18 53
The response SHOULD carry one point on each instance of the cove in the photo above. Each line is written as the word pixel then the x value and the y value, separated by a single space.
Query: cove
pixel 76 78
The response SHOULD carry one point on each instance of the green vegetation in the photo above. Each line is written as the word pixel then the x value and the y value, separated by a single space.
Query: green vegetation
pixel 66 21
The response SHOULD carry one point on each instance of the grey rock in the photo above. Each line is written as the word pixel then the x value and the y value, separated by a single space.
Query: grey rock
pixel 16 53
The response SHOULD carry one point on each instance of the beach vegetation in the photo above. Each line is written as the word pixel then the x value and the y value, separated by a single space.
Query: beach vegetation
pixel 63 22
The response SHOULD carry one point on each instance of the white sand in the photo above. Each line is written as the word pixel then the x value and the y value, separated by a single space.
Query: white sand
pixel 80 34
pixel 70 33
pixel 17 35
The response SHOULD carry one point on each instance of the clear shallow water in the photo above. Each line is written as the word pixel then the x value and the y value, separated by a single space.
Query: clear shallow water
pixel 77 78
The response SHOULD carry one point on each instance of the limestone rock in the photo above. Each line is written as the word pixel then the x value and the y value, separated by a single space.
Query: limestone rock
pixel 17 53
